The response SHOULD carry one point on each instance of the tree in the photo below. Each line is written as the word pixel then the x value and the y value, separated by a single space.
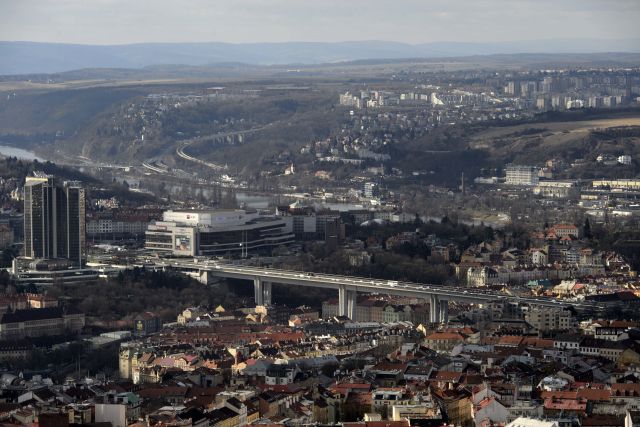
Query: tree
pixel 5 278
pixel 7 257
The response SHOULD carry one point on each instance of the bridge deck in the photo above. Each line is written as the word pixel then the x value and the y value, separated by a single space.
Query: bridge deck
pixel 369 285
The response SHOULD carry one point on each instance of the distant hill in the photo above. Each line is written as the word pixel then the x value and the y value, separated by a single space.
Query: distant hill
pixel 33 57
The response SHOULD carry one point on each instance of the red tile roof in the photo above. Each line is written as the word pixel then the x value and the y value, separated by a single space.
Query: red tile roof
pixel 445 336
pixel 565 405
pixel 403 423
pixel 447 376
pixel 511 340
pixel 625 389
pixel 594 395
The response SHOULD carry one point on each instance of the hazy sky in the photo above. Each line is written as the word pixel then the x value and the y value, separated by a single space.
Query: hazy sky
pixel 413 21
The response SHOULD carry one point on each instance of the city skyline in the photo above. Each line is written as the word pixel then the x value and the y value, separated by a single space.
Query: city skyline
pixel 433 223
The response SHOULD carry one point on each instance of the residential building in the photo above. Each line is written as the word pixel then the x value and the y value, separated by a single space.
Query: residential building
pixel 556 189
pixel 566 230
pixel 415 412
pixel 531 422
pixel 550 319
pixel 623 184
pixel 444 341
pixel 388 396
pixel 146 323
pixel 120 223
pixel 30 323
pixel 309 223
pixel 490 411
pixel 15 350
pixel 456 405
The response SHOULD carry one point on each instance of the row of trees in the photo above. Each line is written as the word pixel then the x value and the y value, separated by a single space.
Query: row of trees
pixel 139 290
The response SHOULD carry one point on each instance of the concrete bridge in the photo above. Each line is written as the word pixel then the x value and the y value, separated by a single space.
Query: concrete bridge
pixel 348 288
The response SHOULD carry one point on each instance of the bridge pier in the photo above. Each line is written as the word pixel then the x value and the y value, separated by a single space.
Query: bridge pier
pixel 346 302
pixel 203 277
pixel 352 297
pixel 261 291
pixel 444 312
pixel 258 291
pixel 342 300
pixel 434 309
pixel 266 293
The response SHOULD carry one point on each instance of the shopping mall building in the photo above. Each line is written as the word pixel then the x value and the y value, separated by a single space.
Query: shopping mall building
pixel 217 232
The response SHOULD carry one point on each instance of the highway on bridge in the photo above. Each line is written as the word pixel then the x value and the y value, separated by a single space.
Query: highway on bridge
pixel 349 286
pixel 180 151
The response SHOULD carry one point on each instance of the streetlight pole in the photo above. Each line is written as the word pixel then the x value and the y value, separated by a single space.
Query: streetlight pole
pixel 243 246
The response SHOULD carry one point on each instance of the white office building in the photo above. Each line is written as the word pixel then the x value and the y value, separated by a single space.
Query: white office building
pixel 522 175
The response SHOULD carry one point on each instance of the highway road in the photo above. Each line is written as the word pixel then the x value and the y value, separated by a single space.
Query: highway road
pixel 216 167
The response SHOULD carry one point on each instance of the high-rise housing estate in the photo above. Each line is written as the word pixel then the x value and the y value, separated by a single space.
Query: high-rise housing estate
pixel 54 219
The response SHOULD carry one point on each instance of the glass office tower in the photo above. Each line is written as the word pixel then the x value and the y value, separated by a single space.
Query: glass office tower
pixel 54 219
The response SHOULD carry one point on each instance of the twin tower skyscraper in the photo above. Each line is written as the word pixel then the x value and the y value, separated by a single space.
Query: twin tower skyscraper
pixel 54 219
